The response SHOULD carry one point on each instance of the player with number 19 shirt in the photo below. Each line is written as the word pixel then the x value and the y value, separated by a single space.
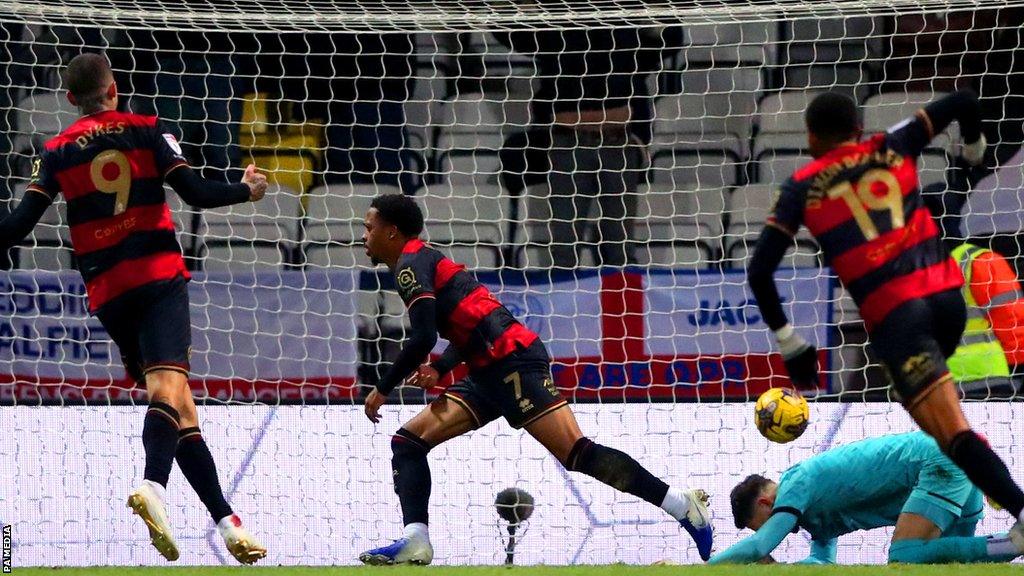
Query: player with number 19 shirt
pixel 861 201
pixel 509 375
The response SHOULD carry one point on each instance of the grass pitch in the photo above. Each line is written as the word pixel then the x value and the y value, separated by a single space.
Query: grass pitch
pixel 612 570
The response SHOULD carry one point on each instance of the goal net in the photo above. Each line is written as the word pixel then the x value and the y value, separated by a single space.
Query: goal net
pixel 604 167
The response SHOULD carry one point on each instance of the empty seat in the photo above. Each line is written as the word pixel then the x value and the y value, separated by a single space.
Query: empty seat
pixel 775 166
pixel 252 235
pixel 714 101
pixel 732 41
pixel 467 168
pixel 334 221
pixel 780 121
pixel 48 246
pixel 883 111
pixel 462 219
pixel 701 208
pixel 471 122
pixel 678 169
pixel 676 254
pixel 43 115
pixel 740 240
pixel 751 204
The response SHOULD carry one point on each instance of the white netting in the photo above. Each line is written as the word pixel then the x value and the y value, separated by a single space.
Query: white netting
pixel 695 116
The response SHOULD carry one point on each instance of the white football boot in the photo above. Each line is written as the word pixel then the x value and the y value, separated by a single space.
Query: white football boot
pixel 412 548
pixel 239 542
pixel 147 502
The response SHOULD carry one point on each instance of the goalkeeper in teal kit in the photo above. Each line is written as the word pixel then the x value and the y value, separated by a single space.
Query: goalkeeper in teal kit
pixel 902 480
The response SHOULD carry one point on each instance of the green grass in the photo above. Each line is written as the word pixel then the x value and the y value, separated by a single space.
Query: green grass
pixel 613 570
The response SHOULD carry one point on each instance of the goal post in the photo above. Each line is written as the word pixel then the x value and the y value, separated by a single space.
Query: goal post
pixel 654 335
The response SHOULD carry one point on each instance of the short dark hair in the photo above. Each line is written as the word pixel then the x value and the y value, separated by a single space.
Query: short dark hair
pixel 87 77
pixel 744 496
pixel 400 210
pixel 833 117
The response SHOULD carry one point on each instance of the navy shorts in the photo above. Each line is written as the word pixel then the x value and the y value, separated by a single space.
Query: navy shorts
pixel 915 339
pixel 152 328
pixel 518 387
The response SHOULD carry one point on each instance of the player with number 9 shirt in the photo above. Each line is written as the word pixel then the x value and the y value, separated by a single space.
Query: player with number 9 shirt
pixel 111 167
pixel 861 201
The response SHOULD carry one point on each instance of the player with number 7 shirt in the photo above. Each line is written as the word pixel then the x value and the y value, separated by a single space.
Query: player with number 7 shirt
pixel 861 201
pixel 111 167
pixel 509 375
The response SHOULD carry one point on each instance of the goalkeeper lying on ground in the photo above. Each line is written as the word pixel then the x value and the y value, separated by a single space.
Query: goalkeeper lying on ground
pixel 903 481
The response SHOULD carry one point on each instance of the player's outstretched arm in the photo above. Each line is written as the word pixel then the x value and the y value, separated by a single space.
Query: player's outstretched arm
pixel 913 135
pixel 24 218
pixel 801 358
pixel 759 544
pixel 423 336
pixel 822 552
pixel 202 193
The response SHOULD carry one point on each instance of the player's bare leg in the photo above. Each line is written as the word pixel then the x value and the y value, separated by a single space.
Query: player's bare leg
pixel 559 432
pixel 439 422
pixel 918 540
pixel 160 439
pixel 937 411
pixel 198 467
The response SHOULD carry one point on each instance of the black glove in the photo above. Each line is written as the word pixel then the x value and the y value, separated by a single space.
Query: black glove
pixel 803 368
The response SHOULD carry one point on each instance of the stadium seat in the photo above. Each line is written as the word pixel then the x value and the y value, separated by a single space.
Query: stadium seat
pixel 775 166
pixel 750 204
pixel 469 168
pixel 470 122
pixel 754 42
pixel 883 111
pixel 48 246
pixel 679 168
pixel 702 207
pixel 334 221
pixel 739 244
pixel 43 115
pixel 678 254
pixel 780 121
pixel 712 110
pixel 251 235
pixel 460 219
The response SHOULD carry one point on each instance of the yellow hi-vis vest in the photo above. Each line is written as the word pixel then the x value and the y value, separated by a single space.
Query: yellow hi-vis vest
pixel 979 360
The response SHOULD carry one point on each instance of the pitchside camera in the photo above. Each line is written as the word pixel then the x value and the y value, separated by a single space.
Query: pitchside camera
pixel 515 507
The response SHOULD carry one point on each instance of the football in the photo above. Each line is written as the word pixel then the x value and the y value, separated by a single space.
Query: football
pixel 781 415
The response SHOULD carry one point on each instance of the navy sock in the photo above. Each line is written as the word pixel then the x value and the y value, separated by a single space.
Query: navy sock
pixel 616 469
pixel 196 463
pixel 411 474
pixel 986 470
pixel 160 439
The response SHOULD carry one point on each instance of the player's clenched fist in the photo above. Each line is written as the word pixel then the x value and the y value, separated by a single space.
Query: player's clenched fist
pixel 257 183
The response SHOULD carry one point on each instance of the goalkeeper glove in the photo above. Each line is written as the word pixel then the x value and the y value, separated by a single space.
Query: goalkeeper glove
pixel 974 153
pixel 800 357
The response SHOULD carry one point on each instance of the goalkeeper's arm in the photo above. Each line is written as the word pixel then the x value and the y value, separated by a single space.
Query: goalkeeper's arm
pixel 801 358
pixel 24 218
pixel 822 552
pixel 759 544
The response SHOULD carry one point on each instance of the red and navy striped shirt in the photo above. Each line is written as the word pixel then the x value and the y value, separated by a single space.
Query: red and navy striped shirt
pixel 468 315
pixel 862 204
pixel 111 166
